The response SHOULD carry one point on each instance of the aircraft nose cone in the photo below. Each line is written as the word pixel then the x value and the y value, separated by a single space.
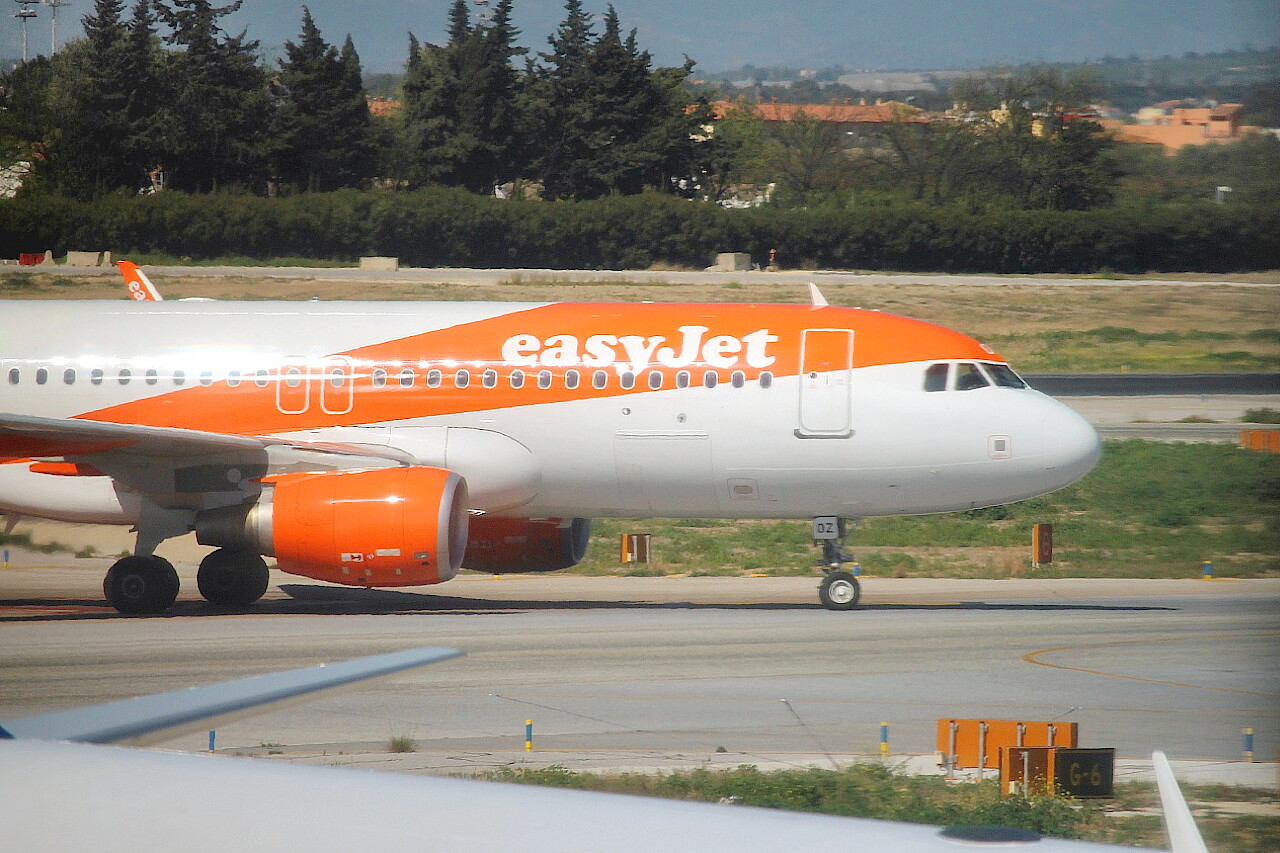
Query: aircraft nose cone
pixel 1071 446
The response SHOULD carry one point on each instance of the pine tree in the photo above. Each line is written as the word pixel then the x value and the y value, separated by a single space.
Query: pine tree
pixel 320 127
pixel 609 122
pixel 428 115
pixel 216 108
pixel 563 111
pixel 498 113
pixel 89 155
pixel 460 103
pixel 459 22
pixel 145 68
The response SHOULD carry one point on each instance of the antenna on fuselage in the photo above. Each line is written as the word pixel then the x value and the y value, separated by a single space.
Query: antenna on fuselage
pixel 815 295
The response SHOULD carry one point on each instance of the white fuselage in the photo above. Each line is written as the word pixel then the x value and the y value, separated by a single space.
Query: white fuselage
pixel 775 438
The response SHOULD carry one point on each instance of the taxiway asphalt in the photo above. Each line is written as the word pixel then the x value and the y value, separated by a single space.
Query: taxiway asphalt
pixel 663 672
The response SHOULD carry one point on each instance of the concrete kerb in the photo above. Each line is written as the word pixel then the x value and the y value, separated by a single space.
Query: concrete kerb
pixel 433 760
pixel 85 259
pixel 380 264
pixel 732 262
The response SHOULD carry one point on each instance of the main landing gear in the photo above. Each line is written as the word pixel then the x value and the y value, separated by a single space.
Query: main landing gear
pixel 149 584
pixel 231 578
pixel 839 590
pixel 140 584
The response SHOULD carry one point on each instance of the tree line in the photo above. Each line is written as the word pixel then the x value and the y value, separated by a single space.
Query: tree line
pixel 163 87
pixel 450 226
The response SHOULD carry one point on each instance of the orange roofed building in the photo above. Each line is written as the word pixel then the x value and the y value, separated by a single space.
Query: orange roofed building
pixel 382 106
pixel 1172 127
pixel 847 113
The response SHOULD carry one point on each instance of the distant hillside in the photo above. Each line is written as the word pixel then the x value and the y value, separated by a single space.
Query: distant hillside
pixel 1128 83
pixel 1233 68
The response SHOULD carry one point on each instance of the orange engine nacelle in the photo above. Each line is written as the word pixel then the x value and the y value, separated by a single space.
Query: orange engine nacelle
pixel 510 545
pixel 383 527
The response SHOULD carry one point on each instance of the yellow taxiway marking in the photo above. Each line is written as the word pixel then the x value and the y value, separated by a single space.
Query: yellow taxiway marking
pixel 1033 657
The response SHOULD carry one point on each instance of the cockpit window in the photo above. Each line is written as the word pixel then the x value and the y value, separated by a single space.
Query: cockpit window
pixel 935 377
pixel 968 377
pixel 1003 375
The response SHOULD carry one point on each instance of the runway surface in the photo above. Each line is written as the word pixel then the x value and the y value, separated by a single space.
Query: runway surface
pixel 662 672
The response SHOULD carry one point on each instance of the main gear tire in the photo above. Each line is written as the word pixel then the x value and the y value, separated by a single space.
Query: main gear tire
pixel 231 578
pixel 137 585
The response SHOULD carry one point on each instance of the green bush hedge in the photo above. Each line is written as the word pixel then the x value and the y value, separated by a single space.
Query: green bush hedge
pixel 446 227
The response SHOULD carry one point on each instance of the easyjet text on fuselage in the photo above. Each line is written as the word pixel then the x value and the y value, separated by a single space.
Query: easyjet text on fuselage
pixel 636 353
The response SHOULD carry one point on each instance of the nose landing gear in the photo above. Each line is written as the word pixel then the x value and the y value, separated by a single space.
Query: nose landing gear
pixel 839 590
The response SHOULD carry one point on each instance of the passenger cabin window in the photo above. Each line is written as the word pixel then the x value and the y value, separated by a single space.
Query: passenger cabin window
pixel 599 379
pixel 42 376
pixel 655 380
pixel 1003 375
pixel 571 379
pixel 96 375
pixel 766 379
pixel 462 378
pixel 126 374
pixel 682 379
pixel 153 376
pixel 379 378
pixel 544 379
pixel 710 379
pixel 935 377
pixel 517 379
pixel 406 378
pixel 15 375
pixel 738 379
pixel 233 379
pixel 433 378
pixel 628 380
pixel 969 377
pixel 206 378
pixel 179 377
pixel 69 376
pixel 489 378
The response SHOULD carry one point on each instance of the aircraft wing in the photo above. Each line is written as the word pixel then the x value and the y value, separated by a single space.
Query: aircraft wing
pixel 57 796
pixel 151 719
pixel 24 436
pixel 66 796
pixel 27 437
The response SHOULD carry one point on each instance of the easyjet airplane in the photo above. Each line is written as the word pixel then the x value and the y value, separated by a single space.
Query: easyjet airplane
pixel 391 444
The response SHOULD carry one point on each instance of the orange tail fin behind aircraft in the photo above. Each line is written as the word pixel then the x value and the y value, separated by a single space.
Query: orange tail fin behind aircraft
pixel 140 287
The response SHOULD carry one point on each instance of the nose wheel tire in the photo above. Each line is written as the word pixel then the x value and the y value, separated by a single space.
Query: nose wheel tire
pixel 141 585
pixel 229 578
pixel 839 591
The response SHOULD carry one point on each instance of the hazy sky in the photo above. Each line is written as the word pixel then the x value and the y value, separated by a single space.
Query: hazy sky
pixel 722 34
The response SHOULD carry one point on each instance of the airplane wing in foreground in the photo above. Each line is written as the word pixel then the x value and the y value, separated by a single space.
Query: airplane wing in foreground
pixel 71 796
pixel 1184 835
pixel 151 719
